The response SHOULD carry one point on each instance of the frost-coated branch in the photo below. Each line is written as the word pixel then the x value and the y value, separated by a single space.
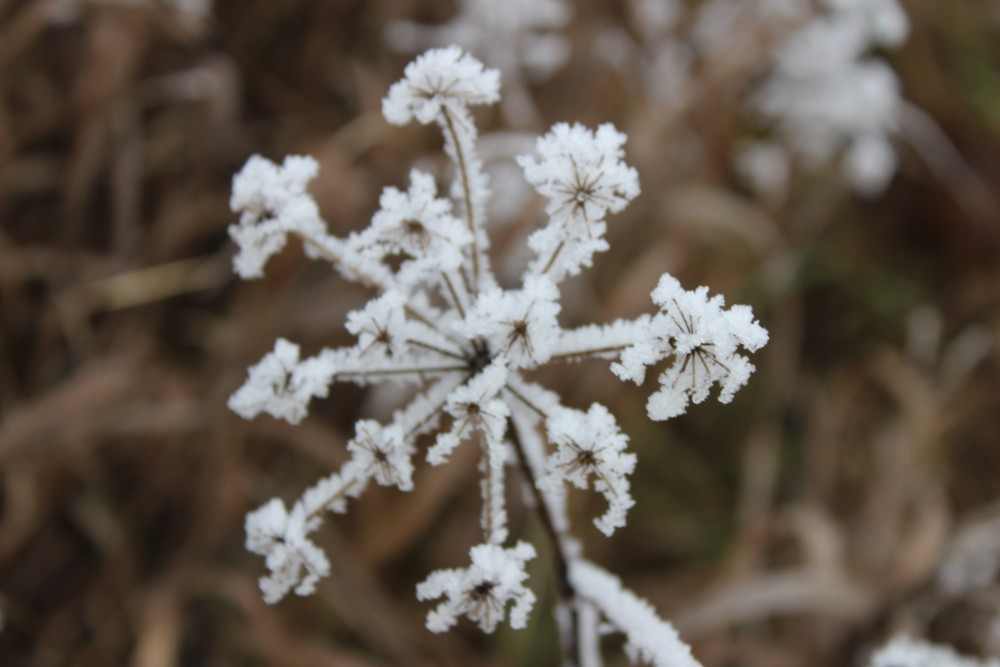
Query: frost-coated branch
pixel 440 324
pixel 648 637
pixel 439 86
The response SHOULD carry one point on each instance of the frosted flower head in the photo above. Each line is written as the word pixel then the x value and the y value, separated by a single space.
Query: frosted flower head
pixel 483 590
pixel 581 172
pixel 474 406
pixel 281 385
pixel 518 325
pixel 380 326
pixel 589 445
pixel 439 81
pixel 416 226
pixel 702 340
pixel 382 452
pixel 281 537
pixel 272 202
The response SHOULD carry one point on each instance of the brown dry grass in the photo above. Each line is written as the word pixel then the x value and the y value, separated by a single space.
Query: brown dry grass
pixel 795 527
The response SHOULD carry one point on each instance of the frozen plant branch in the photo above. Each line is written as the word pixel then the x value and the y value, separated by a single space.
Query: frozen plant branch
pixel 439 323
pixel 648 637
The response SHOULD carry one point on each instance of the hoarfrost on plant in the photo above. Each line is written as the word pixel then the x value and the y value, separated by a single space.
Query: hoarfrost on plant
pixel 442 325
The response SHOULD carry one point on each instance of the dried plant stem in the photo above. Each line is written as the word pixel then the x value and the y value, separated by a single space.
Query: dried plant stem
pixel 454 295
pixel 552 258
pixel 463 172
pixel 324 250
pixel 564 588
pixel 339 493
pixel 589 352
pixel 416 370
pixel 372 283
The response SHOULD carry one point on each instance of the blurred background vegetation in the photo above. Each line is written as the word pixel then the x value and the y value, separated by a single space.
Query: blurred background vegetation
pixel 798 526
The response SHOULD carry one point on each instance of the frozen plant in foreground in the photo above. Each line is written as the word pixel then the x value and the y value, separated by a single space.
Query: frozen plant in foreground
pixel 440 324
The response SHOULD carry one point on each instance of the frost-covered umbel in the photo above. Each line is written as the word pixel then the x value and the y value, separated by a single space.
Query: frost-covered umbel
pixel 441 324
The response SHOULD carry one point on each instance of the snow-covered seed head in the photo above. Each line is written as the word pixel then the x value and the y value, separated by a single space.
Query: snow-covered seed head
pixel 380 327
pixel 383 453
pixel 590 445
pixel 281 385
pixel 417 227
pixel 441 324
pixel 519 325
pixel 581 172
pixel 483 590
pixel 438 81
pixel 702 340
pixel 281 537
pixel 272 202
pixel 474 406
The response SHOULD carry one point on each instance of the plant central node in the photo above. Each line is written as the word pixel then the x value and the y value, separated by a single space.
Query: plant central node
pixel 480 358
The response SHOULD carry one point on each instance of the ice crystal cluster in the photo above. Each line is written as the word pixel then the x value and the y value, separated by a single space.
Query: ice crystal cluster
pixel 440 324
pixel 828 94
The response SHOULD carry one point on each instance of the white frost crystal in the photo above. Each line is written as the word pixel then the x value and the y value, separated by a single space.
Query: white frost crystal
pixel 482 591
pixel 382 452
pixel 519 324
pixel 418 227
pixel 474 407
pixel 649 638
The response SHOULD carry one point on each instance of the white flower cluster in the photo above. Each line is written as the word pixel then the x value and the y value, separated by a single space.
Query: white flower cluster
pixel 482 591
pixel 582 175
pixel 702 340
pixel 441 325
pixel 906 652
pixel 281 385
pixel 827 93
pixel 589 444
pixel 273 203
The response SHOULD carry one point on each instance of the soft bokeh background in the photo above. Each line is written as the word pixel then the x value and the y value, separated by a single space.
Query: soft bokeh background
pixel 800 525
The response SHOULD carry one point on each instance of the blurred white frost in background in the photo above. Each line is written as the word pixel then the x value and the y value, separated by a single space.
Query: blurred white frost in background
pixel 906 652
pixel 827 94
